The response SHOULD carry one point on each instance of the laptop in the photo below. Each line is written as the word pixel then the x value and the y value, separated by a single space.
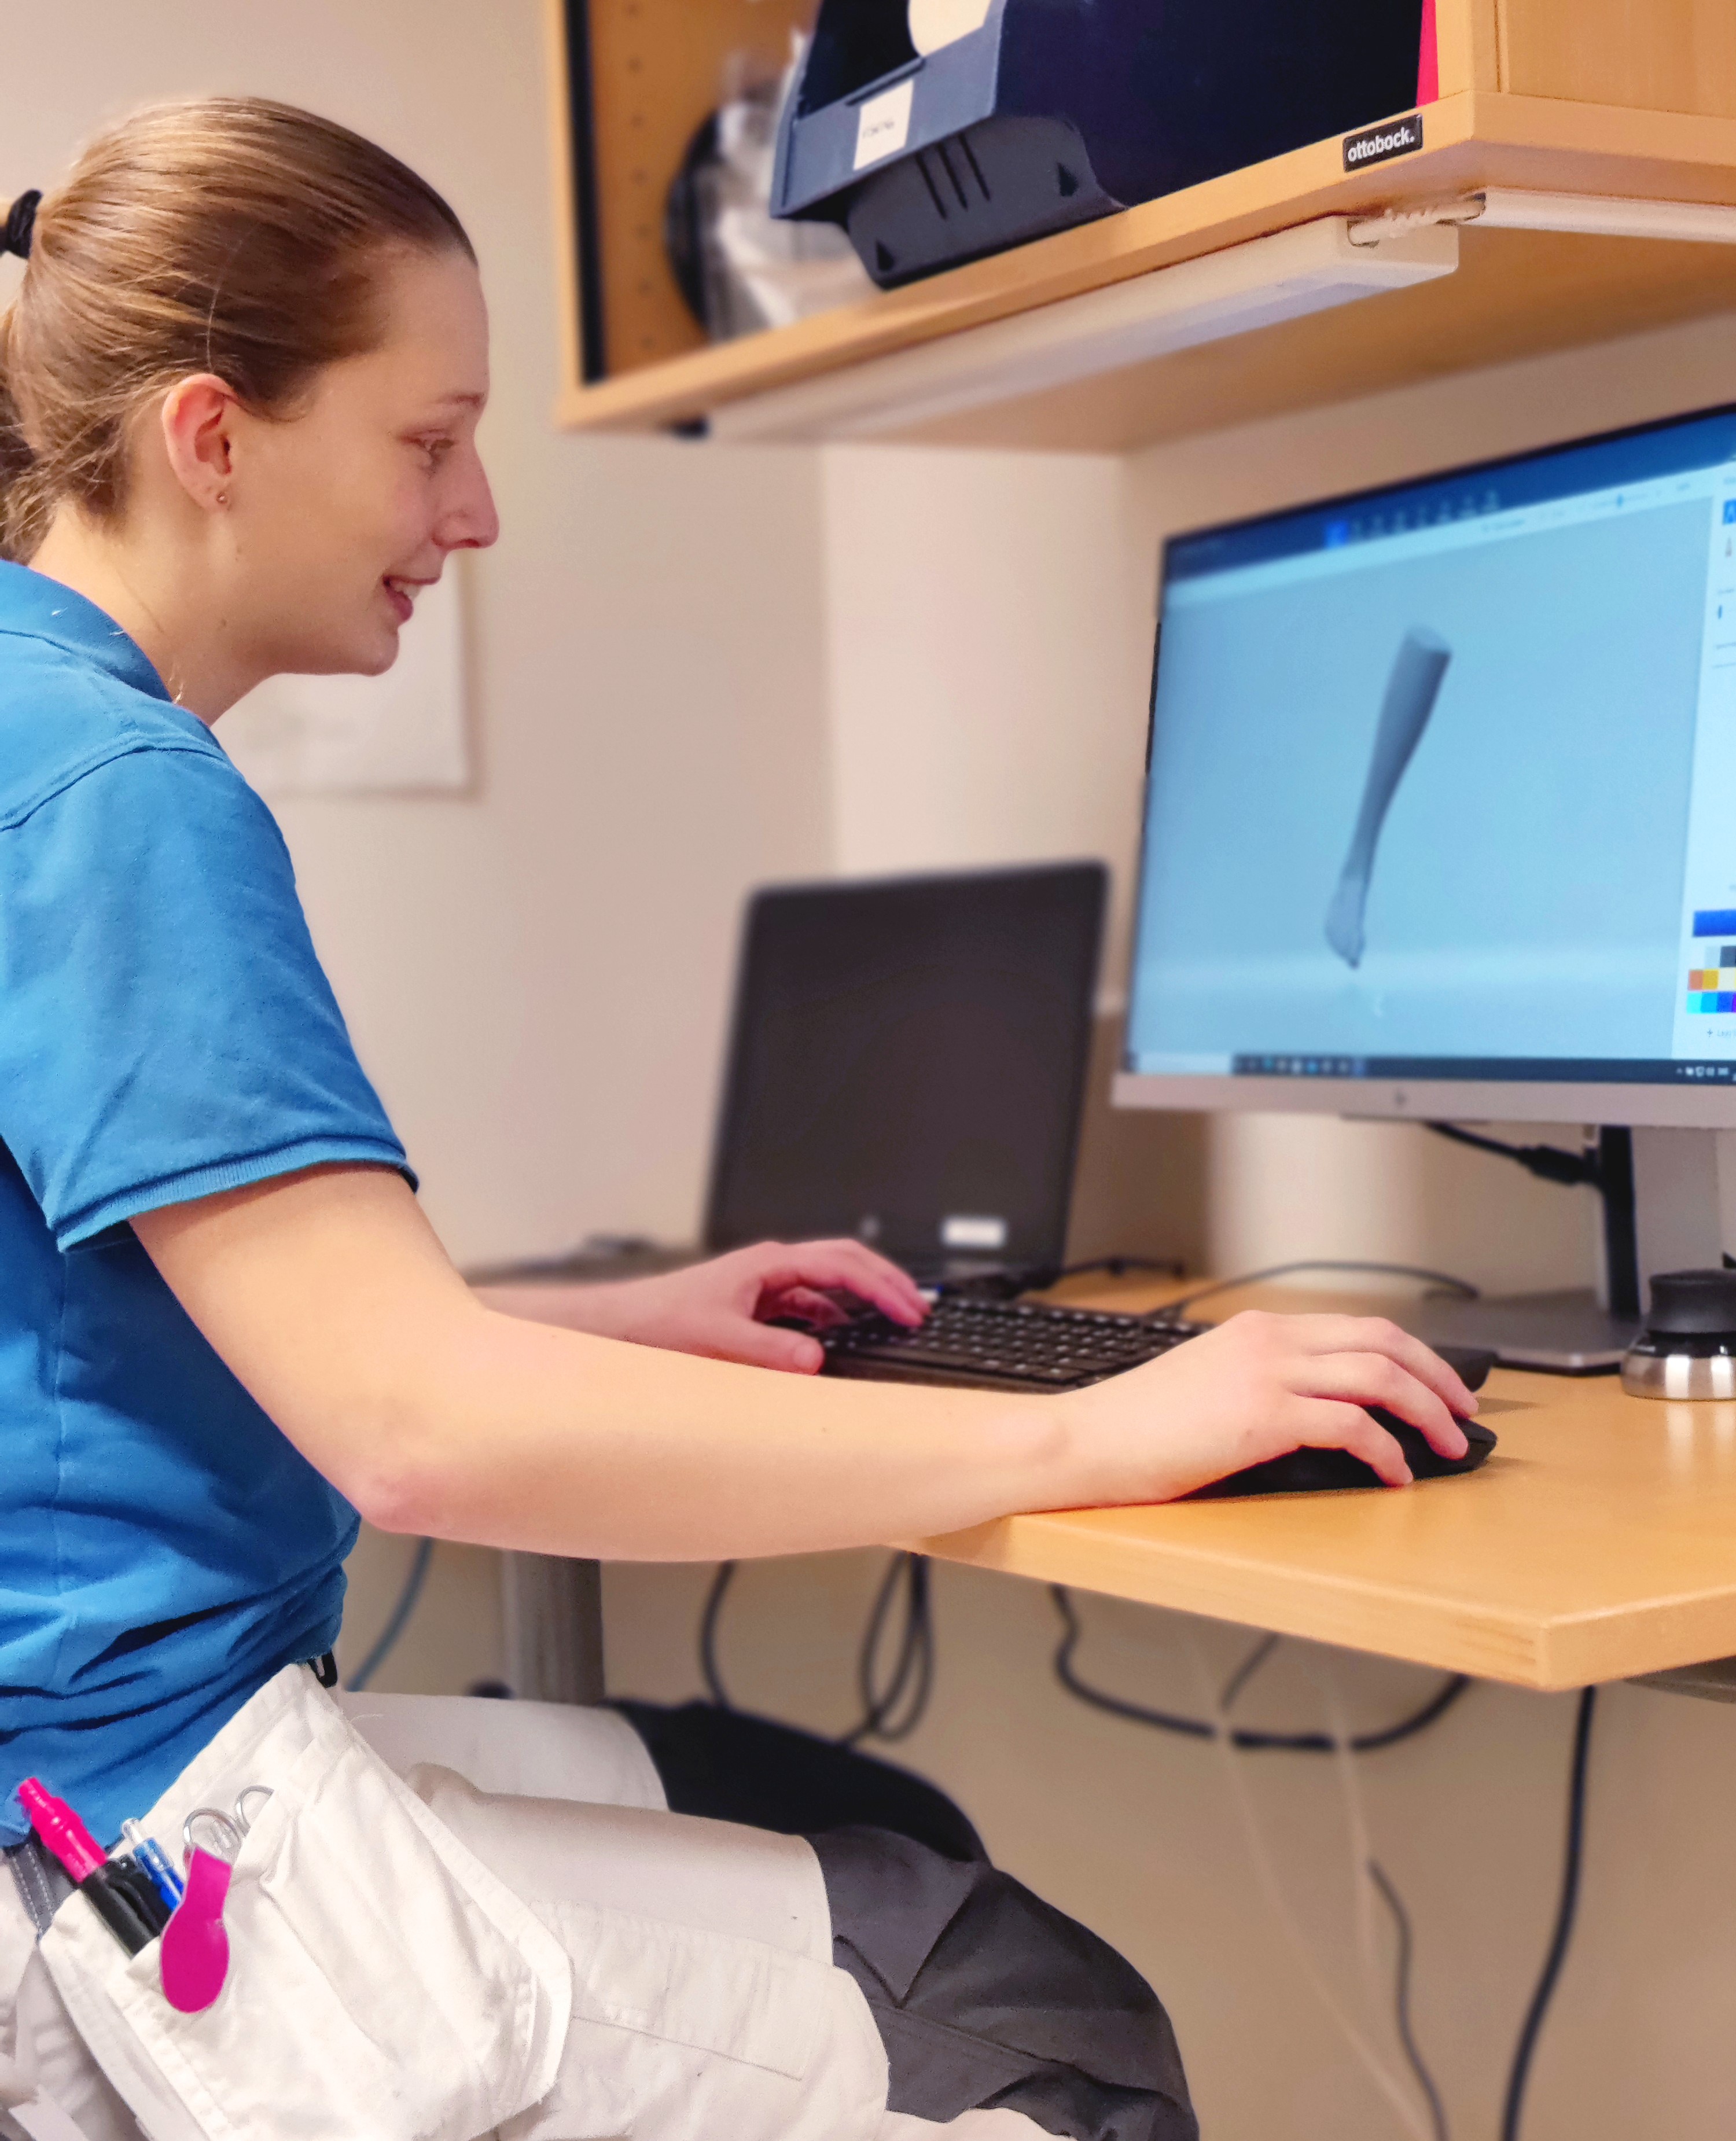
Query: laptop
pixel 907 1065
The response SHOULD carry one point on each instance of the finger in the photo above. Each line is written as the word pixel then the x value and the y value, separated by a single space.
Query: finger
pixel 1365 1379
pixel 1375 1334
pixel 876 1278
pixel 757 1345
pixel 1322 1424
pixel 819 1309
pixel 847 1265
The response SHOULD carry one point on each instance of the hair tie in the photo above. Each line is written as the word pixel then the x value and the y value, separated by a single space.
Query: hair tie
pixel 20 218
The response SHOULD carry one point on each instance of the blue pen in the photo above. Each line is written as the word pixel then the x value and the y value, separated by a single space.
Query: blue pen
pixel 152 1857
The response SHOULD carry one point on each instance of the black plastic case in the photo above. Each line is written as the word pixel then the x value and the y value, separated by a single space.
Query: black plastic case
pixel 1057 111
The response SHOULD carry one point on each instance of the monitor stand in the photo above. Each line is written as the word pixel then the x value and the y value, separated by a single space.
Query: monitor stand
pixel 1568 1333
pixel 1661 1212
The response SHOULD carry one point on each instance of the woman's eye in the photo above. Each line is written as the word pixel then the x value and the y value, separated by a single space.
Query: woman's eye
pixel 436 450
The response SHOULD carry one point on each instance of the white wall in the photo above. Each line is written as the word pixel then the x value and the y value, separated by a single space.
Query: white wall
pixel 976 638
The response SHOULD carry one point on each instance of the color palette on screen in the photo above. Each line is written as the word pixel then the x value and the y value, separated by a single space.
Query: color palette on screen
pixel 1712 987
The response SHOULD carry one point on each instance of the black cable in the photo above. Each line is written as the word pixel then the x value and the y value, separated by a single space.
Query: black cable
pixel 398 1619
pixel 1406 2037
pixel 1193 1728
pixel 1564 1917
pixel 1548 1162
pixel 1245 1671
pixel 1461 1287
pixel 1419 1721
pixel 907 1686
pixel 708 1619
pixel 911 1681
pixel 1249 1739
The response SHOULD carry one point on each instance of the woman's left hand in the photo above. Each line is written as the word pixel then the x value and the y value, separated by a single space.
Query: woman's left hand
pixel 723 1309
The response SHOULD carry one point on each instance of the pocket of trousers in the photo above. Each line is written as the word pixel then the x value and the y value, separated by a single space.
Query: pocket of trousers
pixel 383 1986
pixel 707 1992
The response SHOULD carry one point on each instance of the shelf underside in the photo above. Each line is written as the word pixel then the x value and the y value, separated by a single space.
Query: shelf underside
pixel 1516 293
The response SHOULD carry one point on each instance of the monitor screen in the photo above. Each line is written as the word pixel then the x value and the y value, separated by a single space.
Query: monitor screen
pixel 1442 786
pixel 908 1062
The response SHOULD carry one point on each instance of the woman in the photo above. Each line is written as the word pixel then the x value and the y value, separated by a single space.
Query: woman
pixel 240 385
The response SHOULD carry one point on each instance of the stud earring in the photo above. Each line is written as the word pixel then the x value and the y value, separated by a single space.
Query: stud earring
pixel 223 498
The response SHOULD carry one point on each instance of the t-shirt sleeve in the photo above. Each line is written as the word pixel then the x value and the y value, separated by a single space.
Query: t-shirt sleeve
pixel 166 1030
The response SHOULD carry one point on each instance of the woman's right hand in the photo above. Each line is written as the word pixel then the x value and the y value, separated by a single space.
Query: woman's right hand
pixel 1255 1387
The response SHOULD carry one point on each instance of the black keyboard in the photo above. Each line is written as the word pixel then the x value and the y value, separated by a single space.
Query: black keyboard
pixel 1001 1346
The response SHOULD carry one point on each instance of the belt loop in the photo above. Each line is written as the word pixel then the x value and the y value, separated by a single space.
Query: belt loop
pixel 42 1886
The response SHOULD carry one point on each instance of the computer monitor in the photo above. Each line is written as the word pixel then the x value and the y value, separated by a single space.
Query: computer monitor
pixel 1441 788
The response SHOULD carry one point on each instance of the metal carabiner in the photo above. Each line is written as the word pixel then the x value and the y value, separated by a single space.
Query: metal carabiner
pixel 228 1849
pixel 244 1819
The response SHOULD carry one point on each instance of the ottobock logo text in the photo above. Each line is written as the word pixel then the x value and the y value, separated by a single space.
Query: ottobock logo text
pixel 1375 144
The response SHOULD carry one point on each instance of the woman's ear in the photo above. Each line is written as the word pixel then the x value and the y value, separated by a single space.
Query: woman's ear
pixel 198 420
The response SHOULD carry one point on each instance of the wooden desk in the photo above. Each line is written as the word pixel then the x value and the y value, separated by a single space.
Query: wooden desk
pixel 1599 1541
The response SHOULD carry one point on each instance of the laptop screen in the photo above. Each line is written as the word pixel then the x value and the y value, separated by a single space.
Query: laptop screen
pixel 907 1064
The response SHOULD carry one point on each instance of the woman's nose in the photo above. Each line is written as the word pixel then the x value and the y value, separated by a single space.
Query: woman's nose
pixel 470 521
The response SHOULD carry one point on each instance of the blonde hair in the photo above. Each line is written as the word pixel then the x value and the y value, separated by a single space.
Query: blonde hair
pixel 231 235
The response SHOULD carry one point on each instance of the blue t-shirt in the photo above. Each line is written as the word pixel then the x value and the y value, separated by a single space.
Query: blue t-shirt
pixel 165 1032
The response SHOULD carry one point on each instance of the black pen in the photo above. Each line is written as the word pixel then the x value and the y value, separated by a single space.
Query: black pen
pixel 116 1909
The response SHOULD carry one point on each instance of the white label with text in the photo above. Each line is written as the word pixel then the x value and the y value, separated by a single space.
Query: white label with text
pixel 882 124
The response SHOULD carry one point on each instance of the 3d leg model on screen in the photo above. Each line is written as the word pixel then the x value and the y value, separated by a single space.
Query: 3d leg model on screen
pixel 1411 691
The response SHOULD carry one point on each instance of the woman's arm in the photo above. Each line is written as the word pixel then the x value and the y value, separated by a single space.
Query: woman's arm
pixel 330 1297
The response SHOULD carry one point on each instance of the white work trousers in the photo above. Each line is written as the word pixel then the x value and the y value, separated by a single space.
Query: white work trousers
pixel 563 1805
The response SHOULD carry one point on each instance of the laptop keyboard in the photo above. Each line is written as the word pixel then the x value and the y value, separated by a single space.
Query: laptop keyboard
pixel 1001 1344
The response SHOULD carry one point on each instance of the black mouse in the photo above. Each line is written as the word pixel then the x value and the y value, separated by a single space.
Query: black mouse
pixel 1323 1471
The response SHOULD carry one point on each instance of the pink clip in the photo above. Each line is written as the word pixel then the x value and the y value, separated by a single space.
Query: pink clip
pixel 195 1946
pixel 195 1950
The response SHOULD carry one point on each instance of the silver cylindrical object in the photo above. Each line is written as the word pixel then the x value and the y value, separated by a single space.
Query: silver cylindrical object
pixel 1687 1348
pixel 1679 1374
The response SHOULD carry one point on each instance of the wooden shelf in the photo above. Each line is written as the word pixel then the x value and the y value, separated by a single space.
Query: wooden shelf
pixel 1594 1545
pixel 1516 293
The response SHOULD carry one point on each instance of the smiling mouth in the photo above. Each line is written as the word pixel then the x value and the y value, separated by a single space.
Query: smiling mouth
pixel 403 594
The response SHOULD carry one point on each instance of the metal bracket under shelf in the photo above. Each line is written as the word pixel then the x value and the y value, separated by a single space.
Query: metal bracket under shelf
pixel 1588 216
pixel 1714 1680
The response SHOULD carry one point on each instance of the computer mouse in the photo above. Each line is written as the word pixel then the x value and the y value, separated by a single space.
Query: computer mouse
pixel 1333 1471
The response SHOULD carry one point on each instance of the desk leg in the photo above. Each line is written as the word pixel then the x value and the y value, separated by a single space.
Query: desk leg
pixel 554 1624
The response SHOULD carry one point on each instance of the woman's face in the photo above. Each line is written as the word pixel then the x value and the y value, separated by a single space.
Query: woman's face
pixel 345 510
